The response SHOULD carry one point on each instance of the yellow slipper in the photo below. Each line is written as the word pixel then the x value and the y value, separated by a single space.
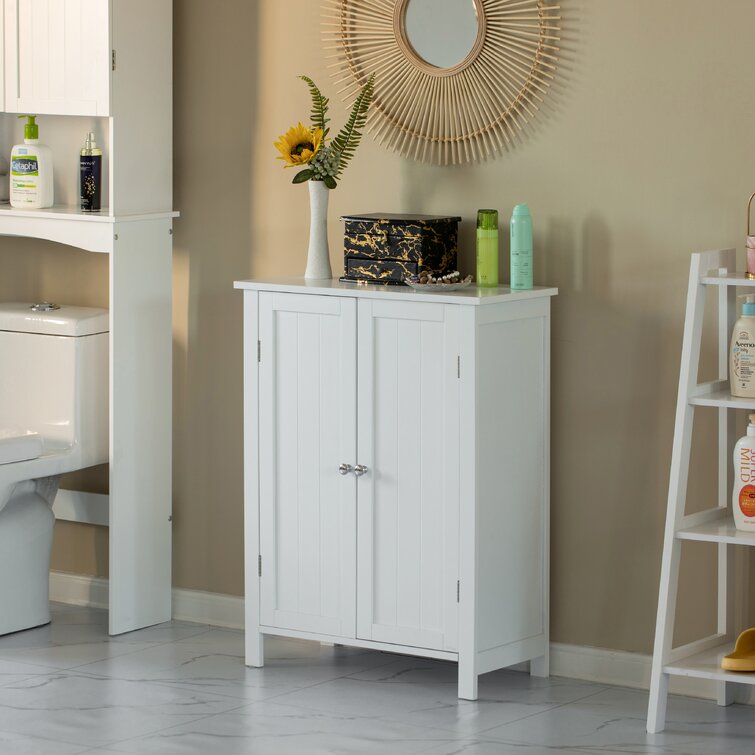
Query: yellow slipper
pixel 743 657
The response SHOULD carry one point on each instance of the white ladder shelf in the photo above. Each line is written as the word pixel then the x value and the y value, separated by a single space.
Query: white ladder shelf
pixel 701 658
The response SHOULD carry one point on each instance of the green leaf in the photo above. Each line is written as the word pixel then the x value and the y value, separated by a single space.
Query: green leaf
pixel 302 176
pixel 330 182
pixel 319 107
pixel 350 135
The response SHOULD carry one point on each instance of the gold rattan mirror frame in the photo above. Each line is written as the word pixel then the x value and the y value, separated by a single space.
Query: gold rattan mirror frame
pixel 461 114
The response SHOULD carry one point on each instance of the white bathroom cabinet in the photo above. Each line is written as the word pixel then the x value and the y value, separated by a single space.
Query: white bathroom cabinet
pixel 396 460
pixel 58 60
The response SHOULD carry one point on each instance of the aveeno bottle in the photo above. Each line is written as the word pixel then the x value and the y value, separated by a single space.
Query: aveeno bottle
pixel 742 353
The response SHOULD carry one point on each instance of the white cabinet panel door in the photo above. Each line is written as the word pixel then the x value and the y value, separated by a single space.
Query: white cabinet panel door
pixel 408 437
pixel 307 384
pixel 57 57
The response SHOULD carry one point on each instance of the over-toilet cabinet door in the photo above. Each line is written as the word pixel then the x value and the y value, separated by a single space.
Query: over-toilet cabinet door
pixel 57 56
pixel 307 428
pixel 375 384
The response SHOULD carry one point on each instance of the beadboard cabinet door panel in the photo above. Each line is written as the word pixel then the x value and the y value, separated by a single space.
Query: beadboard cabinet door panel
pixel 408 499
pixel 57 57
pixel 307 429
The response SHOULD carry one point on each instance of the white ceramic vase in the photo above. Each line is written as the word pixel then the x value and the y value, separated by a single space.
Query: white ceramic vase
pixel 318 254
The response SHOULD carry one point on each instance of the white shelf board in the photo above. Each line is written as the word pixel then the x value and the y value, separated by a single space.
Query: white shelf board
pixel 66 212
pixel 721 530
pixel 718 394
pixel 93 232
pixel 727 279
pixel 707 665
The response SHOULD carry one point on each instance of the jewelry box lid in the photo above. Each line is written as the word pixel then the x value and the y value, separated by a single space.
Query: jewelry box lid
pixel 401 219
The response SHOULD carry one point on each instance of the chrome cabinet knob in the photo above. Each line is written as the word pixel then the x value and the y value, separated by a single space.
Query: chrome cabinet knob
pixel 344 469
pixel 360 469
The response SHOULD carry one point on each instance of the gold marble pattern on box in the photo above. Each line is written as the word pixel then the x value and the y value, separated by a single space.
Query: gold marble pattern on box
pixel 388 249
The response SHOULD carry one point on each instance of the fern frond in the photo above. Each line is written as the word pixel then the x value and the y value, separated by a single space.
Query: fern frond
pixel 319 106
pixel 350 135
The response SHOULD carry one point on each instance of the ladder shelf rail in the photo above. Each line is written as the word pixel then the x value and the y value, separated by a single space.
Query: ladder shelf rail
pixel 713 525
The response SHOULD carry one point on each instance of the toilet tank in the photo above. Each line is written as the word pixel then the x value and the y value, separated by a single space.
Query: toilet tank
pixel 54 377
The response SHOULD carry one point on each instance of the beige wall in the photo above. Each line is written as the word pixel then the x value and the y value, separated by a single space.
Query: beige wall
pixel 643 155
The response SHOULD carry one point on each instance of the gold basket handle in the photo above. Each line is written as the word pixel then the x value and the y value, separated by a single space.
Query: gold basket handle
pixel 749 214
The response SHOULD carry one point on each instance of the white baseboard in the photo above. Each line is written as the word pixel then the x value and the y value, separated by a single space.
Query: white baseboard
pixel 208 608
pixel 598 665
pixel 78 590
pixel 188 605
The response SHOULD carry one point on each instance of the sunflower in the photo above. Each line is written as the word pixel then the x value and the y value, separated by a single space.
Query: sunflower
pixel 299 145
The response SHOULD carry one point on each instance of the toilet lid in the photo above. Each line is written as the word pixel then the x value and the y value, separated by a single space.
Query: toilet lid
pixel 19 445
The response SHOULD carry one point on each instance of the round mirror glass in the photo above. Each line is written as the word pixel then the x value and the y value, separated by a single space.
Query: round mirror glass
pixel 442 32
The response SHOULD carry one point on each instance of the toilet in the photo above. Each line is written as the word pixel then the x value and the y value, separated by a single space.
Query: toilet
pixel 54 418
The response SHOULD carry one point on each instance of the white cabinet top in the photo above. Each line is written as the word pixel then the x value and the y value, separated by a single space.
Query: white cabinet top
pixel 471 295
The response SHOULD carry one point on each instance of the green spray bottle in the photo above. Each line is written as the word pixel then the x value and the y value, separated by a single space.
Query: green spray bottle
pixel 521 248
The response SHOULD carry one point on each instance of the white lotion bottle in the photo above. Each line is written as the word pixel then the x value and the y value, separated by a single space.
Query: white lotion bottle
pixel 743 496
pixel 742 352
pixel 31 183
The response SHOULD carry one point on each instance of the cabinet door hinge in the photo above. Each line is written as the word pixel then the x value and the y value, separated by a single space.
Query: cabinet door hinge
pixel 458 367
pixel 458 590
pixel 259 566
pixel 113 59
pixel 259 351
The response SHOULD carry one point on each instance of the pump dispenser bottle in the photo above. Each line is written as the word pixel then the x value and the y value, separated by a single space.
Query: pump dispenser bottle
pixel 743 497
pixel 31 184
pixel 742 352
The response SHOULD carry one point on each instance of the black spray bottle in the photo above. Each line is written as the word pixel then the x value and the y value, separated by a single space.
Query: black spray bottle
pixel 90 163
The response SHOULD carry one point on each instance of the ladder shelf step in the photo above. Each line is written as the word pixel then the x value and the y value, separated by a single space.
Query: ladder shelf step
pixel 718 393
pixel 707 665
pixel 719 530
pixel 726 279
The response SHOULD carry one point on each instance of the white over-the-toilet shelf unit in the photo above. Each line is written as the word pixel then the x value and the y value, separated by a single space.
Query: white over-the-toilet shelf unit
pixel 397 470
pixel 106 66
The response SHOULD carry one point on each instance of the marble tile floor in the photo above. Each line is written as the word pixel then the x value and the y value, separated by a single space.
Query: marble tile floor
pixel 183 688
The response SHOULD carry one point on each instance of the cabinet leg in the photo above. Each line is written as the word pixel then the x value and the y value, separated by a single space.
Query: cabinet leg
pixel 255 648
pixel 467 680
pixel 541 666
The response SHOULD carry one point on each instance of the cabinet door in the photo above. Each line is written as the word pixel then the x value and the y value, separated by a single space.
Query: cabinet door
pixel 57 57
pixel 408 437
pixel 307 429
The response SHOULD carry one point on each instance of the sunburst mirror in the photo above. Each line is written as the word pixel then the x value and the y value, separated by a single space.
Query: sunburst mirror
pixel 455 80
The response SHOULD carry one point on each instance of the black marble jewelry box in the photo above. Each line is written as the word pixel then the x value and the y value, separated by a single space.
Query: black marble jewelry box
pixel 390 248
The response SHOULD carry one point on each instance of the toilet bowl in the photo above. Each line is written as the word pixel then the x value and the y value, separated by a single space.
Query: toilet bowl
pixel 54 418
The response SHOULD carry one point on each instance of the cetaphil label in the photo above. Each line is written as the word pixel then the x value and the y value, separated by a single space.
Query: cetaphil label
pixel 25 166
